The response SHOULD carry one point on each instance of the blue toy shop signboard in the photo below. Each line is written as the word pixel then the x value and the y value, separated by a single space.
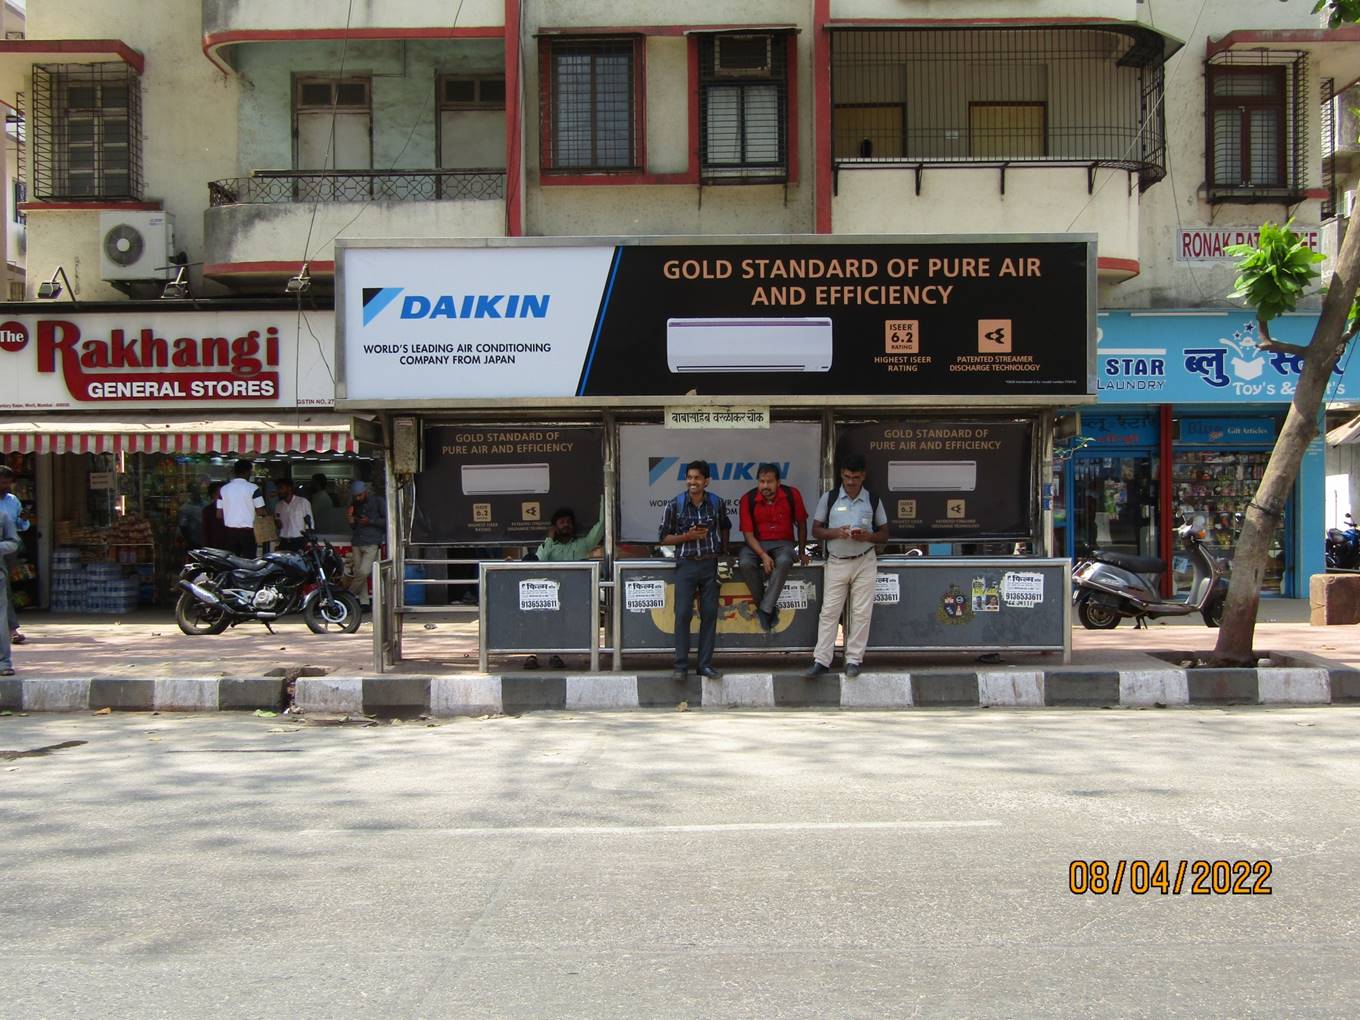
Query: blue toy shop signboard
pixel 1199 357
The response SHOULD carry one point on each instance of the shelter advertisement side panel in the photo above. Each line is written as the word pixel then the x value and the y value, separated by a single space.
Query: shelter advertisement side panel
pixel 486 485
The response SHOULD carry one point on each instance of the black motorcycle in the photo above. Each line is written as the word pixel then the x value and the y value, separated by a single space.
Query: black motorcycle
pixel 221 590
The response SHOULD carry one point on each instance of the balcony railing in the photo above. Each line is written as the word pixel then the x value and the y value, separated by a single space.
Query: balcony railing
pixel 268 187
pixel 921 98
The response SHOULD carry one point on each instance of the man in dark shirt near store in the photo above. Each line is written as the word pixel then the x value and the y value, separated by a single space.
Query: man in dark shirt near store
pixel 696 523
pixel 770 515
pixel 368 518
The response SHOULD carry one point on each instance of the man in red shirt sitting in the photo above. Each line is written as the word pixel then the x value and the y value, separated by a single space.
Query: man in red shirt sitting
pixel 770 515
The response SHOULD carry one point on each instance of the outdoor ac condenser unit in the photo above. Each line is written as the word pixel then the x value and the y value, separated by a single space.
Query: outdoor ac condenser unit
pixel 135 244
pixel 502 479
pixel 748 345
pixel 932 475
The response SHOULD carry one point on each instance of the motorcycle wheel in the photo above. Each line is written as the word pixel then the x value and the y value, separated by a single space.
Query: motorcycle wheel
pixel 1213 612
pixel 194 617
pixel 1096 615
pixel 338 614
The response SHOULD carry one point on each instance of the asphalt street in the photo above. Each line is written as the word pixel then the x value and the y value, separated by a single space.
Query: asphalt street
pixel 668 864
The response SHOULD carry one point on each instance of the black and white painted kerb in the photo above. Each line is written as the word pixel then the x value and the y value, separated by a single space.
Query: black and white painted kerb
pixel 1304 683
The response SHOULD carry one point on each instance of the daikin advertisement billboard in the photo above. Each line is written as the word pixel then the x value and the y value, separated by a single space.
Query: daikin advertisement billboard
pixel 664 318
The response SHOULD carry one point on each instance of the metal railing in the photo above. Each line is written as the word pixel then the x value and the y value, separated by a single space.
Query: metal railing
pixel 269 187
pixel 1089 96
pixel 386 618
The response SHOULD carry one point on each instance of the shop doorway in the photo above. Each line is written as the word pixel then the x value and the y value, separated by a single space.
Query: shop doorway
pixel 1114 504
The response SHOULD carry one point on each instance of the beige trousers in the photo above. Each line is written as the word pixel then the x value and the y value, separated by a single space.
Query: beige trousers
pixel 842 578
pixel 362 560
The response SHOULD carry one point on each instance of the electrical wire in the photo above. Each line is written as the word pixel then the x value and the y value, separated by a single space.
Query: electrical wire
pixel 330 140
pixel 1177 60
pixel 363 206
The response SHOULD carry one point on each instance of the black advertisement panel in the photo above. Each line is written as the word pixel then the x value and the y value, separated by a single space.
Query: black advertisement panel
pixel 945 479
pixel 500 485
pixel 941 319
pixel 813 318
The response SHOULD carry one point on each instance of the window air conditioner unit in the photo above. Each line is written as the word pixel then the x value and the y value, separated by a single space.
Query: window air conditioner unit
pixel 932 475
pixel 748 345
pixel 135 245
pixel 504 479
pixel 741 56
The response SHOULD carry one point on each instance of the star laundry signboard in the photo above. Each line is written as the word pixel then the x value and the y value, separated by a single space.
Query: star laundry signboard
pixel 725 317
pixel 1205 357
pixel 147 358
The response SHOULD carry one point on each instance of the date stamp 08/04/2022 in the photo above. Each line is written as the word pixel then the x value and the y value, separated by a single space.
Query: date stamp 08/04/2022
pixel 1169 878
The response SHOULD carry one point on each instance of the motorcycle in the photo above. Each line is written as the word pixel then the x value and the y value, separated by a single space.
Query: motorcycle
pixel 1343 546
pixel 1110 586
pixel 221 590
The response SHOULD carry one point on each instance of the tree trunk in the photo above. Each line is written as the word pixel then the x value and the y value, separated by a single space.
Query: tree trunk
pixel 1234 646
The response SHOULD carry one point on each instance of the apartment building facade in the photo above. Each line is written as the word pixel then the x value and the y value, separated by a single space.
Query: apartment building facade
pixel 229 146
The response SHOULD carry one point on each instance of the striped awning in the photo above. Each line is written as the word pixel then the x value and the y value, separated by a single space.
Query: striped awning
pixel 303 434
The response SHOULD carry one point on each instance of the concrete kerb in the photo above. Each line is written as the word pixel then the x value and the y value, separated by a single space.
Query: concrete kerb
pixel 1288 680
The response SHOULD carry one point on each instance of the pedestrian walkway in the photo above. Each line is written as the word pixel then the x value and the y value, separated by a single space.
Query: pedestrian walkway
pixel 143 661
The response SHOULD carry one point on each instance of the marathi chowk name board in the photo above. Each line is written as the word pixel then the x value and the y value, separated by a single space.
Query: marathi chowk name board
pixel 946 479
pixel 484 486
pixel 804 319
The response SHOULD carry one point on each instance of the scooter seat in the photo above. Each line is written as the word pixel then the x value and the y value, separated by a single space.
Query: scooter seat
pixel 1138 564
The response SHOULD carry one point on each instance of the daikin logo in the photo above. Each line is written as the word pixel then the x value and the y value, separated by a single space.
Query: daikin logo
pixel 454 306
pixel 722 471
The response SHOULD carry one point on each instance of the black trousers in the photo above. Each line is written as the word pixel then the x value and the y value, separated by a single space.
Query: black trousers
pixel 241 542
pixel 696 576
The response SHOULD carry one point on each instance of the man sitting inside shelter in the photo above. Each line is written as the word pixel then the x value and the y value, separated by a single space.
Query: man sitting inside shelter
pixel 770 514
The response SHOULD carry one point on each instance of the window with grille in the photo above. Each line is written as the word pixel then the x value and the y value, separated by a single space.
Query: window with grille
pixel 1255 148
pixel 743 106
pixel 87 132
pixel 591 104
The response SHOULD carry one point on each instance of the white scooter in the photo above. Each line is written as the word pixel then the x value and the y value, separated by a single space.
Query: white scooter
pixel 1110 586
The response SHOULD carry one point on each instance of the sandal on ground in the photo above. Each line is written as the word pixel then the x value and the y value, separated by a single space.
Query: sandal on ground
pixel 17 638
pixel 531 662
pixel 556 663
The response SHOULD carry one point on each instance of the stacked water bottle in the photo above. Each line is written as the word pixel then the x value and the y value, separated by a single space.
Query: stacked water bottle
pixel 108 590
pixel 68 581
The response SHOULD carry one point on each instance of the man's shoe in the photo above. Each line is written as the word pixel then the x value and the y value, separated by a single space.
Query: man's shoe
pixel 16 637
pixel 764 619
pixel 6 671
pixel 815 670
pixel 556 663
pixel 679 674
pixel 709 673
pixel 852 669
pixel 531 662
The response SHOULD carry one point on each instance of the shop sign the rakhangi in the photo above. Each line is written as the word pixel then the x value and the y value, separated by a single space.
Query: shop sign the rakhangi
pixel 147 358
pixel 667 318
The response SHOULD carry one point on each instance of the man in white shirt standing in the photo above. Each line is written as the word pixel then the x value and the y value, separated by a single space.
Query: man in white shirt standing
pixel 292 512
pixel 848 521
pixel 238 504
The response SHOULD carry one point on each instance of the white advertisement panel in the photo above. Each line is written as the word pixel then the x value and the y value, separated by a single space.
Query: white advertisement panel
pixel 652 462
pixel 151 359
pixel 469 322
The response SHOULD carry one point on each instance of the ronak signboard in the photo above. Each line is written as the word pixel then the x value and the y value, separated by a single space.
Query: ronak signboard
pixel 662 318
pixel 143 358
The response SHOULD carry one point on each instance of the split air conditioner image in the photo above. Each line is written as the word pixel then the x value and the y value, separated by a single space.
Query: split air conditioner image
pixel 504 479
pixel 932 475
pixel 748 345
